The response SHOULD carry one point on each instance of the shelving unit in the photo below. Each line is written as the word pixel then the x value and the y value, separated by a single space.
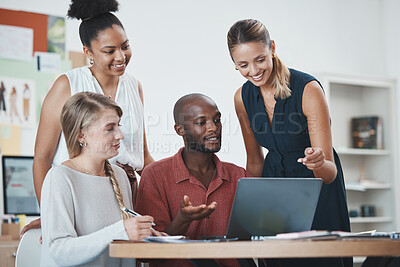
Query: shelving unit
pixel 371 220
pixel 371 175
pixel 358 151
pixel 363 186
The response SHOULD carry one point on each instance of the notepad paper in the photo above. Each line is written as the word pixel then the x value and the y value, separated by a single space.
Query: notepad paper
pixel 168 239
pixel 314 234
pixel 318 234
pixel 183 239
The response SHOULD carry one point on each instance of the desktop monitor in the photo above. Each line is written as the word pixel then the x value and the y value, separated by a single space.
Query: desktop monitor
pixel 18 191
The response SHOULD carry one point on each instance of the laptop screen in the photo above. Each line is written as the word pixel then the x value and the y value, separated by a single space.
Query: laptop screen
pixel 269 206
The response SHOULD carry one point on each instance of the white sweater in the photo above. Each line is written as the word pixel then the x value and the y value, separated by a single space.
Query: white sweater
pixel 80 216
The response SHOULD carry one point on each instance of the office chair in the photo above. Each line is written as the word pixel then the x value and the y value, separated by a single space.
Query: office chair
pixel 29 249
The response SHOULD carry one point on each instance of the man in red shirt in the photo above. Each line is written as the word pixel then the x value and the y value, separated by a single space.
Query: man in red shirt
pixel 192 192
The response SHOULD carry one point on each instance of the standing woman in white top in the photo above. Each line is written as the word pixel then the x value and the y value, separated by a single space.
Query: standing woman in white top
pixel 84 198
pixel 107 47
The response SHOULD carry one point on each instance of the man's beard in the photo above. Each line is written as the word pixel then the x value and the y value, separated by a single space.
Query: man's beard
pixel 194 144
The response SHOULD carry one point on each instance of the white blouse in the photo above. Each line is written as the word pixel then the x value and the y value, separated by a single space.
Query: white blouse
pixel 131 150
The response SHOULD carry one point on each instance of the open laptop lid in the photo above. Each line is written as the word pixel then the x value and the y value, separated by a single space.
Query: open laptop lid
pixel 268 206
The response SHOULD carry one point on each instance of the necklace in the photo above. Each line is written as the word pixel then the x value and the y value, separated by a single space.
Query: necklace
pixel 265 96
pixel 268 109
pixel 86 171
pixel 106 93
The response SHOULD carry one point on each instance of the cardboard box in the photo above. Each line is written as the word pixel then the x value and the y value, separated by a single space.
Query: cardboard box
pixel 11 229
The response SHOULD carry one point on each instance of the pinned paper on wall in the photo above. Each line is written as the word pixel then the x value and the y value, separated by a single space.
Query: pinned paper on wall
pixel 17 102
pixel 48 62
pixel 16 42
pixel 56 35
pixel 10 140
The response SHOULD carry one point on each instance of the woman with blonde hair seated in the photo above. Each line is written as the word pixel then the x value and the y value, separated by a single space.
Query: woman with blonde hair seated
pixel 83 198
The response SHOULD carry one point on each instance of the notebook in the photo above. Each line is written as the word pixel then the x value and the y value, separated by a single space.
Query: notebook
pixel 269 206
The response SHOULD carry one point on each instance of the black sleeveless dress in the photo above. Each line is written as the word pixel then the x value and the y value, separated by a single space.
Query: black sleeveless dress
pixel 286 138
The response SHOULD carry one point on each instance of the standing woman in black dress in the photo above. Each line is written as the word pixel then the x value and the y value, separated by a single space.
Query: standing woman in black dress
pixel 285 111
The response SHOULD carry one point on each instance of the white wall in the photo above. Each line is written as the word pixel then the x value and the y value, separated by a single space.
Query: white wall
pixel 179 47
pixel 391 21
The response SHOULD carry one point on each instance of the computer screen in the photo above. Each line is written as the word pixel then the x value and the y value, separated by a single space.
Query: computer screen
pixel 18 190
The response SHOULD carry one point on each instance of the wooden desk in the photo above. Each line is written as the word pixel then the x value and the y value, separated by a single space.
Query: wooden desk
pixel 7 253
pixel 256 249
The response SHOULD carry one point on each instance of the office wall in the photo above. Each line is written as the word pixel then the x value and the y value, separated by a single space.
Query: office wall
pixel 391 42
pixel 179 47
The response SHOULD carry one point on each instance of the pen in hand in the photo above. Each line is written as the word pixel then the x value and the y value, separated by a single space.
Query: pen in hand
pixel 135 214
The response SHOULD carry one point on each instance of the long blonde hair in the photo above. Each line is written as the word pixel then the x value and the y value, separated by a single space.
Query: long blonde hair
pixel 79 112
pixel 117 191
pixel 251 30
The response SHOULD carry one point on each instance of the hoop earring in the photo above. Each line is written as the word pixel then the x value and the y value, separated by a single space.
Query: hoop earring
pixel 82 143
pixel 236 68
pixel 91 61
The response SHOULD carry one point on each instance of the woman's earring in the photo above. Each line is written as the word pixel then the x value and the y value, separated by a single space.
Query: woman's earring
pixel 91 61
pixel 236 68
pixel 82 143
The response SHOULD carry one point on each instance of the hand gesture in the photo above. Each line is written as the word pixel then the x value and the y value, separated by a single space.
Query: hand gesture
pixel 139 227
pixel 35 224
pixel 314 158
pixel 191 213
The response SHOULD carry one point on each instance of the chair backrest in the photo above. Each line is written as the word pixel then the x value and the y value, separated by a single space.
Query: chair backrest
pixel 29 249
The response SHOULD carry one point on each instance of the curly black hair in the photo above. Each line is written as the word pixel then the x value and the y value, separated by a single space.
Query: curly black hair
pixel 84 9
pixel 95 16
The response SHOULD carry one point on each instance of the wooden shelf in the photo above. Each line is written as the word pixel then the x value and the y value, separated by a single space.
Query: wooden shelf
pixel 370 220
pixel 360 151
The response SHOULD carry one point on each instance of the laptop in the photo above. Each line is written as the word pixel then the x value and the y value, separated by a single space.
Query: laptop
pixel 269 206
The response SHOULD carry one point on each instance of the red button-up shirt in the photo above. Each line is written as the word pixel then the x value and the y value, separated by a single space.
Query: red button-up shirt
pixel 163 185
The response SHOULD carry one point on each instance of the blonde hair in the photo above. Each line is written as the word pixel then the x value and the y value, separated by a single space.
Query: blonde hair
pixel 117 191
pixel 79 112
pixel 251 30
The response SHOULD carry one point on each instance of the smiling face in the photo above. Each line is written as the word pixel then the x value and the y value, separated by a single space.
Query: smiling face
pixel 254 62
pixel 201 128
pixel 110 52
pixel 103 137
